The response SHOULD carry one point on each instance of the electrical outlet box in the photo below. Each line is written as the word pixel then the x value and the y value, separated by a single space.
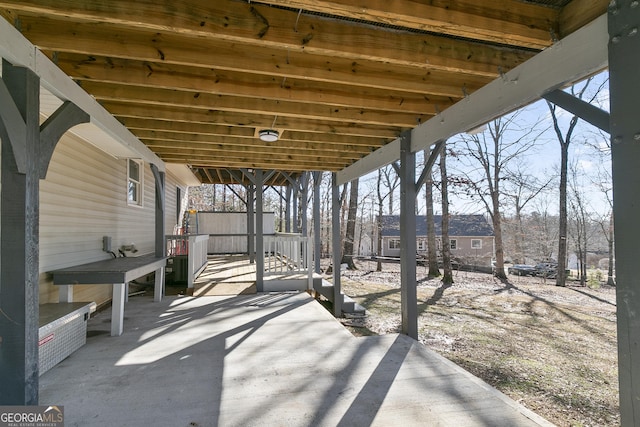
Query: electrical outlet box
pixel 106 243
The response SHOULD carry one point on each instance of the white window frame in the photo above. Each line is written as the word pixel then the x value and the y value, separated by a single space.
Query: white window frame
pixel 476 243
pixel 453 244
pixel 422 245
pixel 138 183
pixel 394 244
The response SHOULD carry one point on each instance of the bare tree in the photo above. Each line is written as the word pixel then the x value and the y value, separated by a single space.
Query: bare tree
pixel 379 221
pixel 430 157
pixel 385 172
pixel 491 151
pixel 580 222
pixel 605 221
pixel 392 181
pixel 542 230
pixel 432 254
pixel 347 248
pixel 447 277
pixel 565 139
pixel 521 187
pixel 601 144
pixel 361 229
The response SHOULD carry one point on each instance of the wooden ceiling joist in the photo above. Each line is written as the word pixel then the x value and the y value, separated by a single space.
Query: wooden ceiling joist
pixel 196 80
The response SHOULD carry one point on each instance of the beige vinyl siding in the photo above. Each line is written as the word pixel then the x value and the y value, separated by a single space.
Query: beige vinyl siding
pixel 170 219
pixel 83 198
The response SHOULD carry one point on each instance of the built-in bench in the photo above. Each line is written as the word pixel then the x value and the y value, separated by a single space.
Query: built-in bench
pixel 63 330
pixel 116 271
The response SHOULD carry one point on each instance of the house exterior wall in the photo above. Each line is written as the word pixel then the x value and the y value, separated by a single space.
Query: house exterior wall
pixel 463 251
pixel 83 198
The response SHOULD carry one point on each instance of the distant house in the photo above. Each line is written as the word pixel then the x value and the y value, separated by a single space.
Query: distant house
pixel 471 237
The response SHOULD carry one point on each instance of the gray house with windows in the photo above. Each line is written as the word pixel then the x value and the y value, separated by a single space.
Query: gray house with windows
pixel 471 237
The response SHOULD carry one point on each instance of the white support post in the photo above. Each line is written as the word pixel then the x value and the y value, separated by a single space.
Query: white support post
pixel 117 309
pixel 158 290
pixel 65 293
pixel 191 259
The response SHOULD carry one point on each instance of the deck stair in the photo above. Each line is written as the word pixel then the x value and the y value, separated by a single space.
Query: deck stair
pixel 325 288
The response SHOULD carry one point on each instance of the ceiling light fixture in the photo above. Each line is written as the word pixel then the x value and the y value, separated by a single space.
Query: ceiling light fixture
pixel 269 135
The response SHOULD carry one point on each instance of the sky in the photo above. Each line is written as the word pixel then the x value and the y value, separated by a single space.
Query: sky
pixel 544 160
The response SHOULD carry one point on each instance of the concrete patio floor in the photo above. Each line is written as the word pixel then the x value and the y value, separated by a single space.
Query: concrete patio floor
pixel 262 360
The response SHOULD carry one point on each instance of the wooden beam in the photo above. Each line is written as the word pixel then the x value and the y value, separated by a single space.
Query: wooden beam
pixel 136 124
pixel 170 130
pixel 288 139
pixel 509 28
pixel 259 152
pixel 401 87
pixel 281 144
pixel 121 110
pixel 273 159
pixel 137 95
pixel 232 83
pixel 579 13
pixel 294 166
pixel 241 26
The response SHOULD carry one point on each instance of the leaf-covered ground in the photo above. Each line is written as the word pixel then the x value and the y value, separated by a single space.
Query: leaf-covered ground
pixel 553 349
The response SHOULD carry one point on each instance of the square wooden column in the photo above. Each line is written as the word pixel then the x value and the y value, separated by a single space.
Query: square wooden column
pixel 408 245
pixel 624 69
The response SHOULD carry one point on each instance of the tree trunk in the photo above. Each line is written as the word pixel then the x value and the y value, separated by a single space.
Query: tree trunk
pixel 379 222
pixel 447 278
pixel 561 277
pixel 347 249
pixel 497 231
pixel 432 254
pixel 519 237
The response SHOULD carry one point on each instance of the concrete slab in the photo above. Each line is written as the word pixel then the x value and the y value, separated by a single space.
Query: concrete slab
pixel 262 360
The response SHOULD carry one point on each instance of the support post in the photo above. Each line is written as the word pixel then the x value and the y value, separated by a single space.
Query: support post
pixel 287 209
pixel 294 203
pixel 117 308
pixel 26 150
pixel 251 220
pixel 161 243
pixel 336 246
pixel 259 176
pixel 19 204
pixel 304 197
pixel 408 246
pixel 624 68
pixel 317 179
pixel 19 248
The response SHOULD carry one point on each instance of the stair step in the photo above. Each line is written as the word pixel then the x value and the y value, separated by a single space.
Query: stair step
pixel 348 304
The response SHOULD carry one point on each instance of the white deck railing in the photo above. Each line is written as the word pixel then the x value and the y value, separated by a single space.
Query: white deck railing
pixel 288 255
pixel 194 246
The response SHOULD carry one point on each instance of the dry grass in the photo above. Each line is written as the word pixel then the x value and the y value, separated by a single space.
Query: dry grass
pixel 552 349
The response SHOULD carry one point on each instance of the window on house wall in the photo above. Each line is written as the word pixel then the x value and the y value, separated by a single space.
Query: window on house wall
pixel 453 244
pixel 422 245
pixel 476 244
pixel 134 182
pixel 394 244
